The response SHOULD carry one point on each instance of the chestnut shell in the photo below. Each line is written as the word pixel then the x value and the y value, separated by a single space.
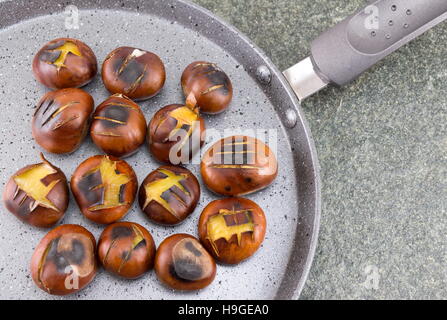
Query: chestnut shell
pixel 238 165
pixel 164 124
pixel 57 67
pixel 90 193
pixel 136 73
pixel 232 229
pixel 24 207
pixel 209 84
pixel 61 119
pixel 182 263
pixel 64 252
pixel 126 249
pixel 118 126
pixel 175 203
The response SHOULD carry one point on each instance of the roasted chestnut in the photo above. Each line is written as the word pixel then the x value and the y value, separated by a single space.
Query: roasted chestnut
pixel 137 73
pixel 61 119
pixel 37 194
pixel 232 229
pixel 64 261
pixel 182 263
pixel 65 63
pixel 118 127
pixel 104 188
pixel 169 195
pixel 209 84
pixel 126 249
pixel 238 165
pixel 175 133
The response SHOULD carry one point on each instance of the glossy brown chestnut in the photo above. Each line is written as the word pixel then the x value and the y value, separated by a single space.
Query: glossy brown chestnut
pixel 137 73
pixel 64 261
pixel 169 195
pixel 118 126
pixel 37 194
pixel 65 63
pixel 238 165
pixel 126 249
pixel 104 188
pixel 232 229
pixel 61 120
pixel 209 84
pixel 182 263
pixel 175 133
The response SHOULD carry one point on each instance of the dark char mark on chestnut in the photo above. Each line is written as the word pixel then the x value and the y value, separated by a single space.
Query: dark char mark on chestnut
pixel 191 248
pixel 116 113
pixel 121 232
pixel 86 186
pixel 63 259
pixel 131 72
pixel 55 45
pixel 49 56
pixel 186 270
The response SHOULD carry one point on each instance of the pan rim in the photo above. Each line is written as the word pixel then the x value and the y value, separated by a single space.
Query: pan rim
pixel 278 80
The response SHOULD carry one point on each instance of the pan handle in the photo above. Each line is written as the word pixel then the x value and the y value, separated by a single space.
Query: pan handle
pixel 345 51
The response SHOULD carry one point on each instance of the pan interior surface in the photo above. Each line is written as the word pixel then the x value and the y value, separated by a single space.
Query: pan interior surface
pixel 267 274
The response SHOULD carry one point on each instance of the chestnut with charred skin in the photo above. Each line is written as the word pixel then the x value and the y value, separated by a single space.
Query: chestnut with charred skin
pixel 238 165
pixel 209 84
pixel 232 229
pixel 169 195
pixel 37 194
pixel 175 133
pixel 104 188
pixel 182 263
pixel 118 126
pixel 137 73
pixel 61 120
pixel 64 261
pixel 65 63
pixel 126 249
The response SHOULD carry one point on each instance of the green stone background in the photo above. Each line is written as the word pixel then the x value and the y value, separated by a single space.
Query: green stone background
pixel 382 146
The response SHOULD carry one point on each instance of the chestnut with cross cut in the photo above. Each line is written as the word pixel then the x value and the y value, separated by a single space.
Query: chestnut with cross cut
pixel 118 126
pixel 104 188
pixel 65 63
pixel 37 194
pixel 169 195
pixel 126 249
pixel 137 73
pixel 182 263
pixel 238 165
pixel 232 229
pixel 176 132
pixel 64 261
pixel 209 84
pixel 61 119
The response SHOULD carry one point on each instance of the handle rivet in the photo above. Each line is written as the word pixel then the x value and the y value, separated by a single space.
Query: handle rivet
pixel 291 118
pixel 393 7
pixel 388 36
pixel 373 33
pixel 263 74
pixel 390 23
pixel 409 12
pixel 406 25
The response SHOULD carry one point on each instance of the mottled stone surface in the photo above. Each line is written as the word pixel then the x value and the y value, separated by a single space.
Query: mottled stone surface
pixel 382 145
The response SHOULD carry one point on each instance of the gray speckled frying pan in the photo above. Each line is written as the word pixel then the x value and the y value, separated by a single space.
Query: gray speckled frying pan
pixel 180 32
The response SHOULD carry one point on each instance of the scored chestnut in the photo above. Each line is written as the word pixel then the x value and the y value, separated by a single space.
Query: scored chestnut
pixel 232 229
pixel 126 249
pixel 209 84
pixel 61 119
pixel 118 126
pixel 37 194
pixel 137 73
pixel 65 63
pixel 64 261
pixel 176 132
pixel 182 263
pixel 238 165
pixel 104 188
pixel 169 195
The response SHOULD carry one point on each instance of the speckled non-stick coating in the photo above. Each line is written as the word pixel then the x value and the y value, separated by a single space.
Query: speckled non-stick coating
pixel 179 33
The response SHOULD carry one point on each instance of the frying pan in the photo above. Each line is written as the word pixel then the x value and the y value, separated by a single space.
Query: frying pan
pixel 181 32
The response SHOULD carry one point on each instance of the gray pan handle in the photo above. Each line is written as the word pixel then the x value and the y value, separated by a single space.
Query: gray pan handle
pixel 352 46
